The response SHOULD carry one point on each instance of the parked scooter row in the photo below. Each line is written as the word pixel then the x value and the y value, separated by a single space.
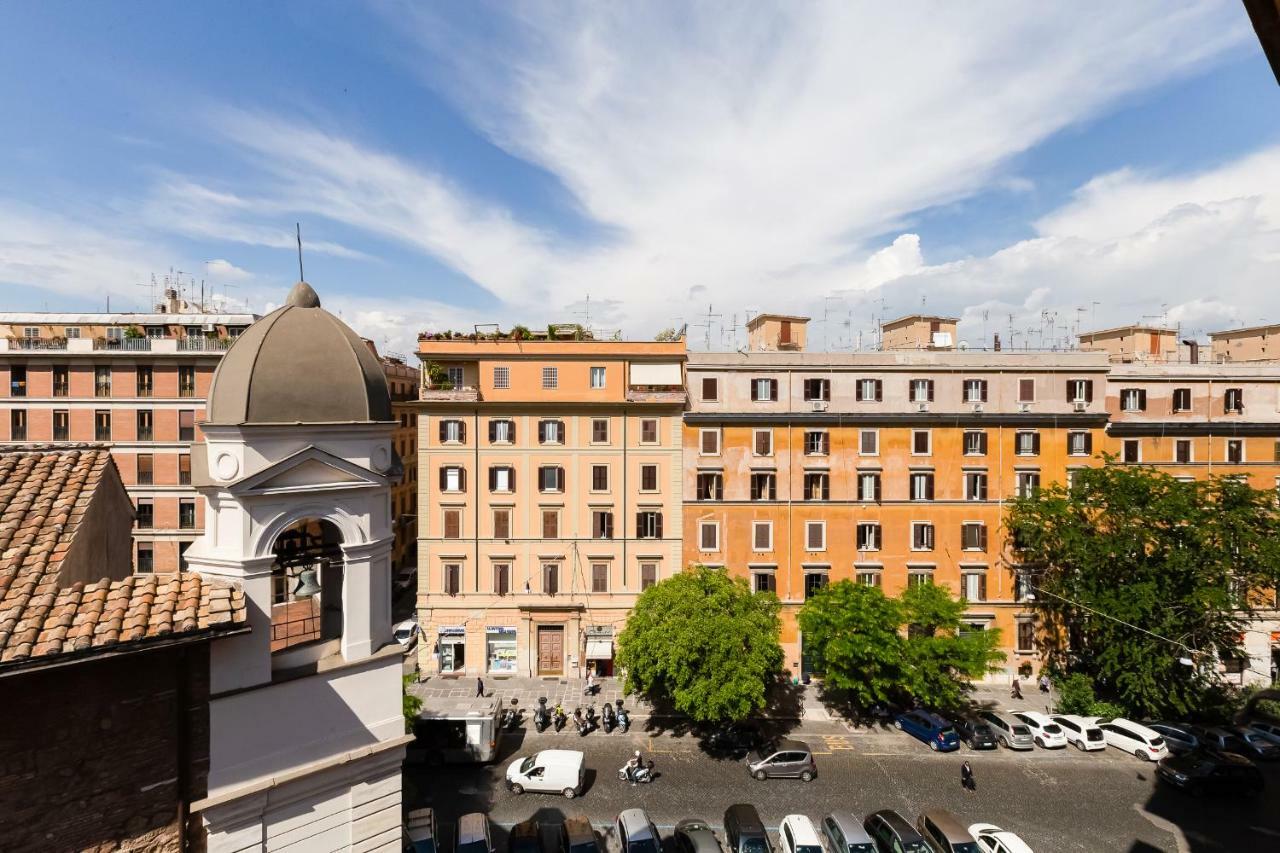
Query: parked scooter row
pixel 584 722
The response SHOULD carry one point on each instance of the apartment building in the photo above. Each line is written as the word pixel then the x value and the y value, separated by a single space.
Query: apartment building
pixel 402 383
pixel 551 477
pixel 889 468
pixel 135 382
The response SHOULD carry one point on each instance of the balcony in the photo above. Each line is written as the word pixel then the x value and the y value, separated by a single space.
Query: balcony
pixel 670 394
pixel 15 343
pixel 123 344
pixel 447 392
pixel 204 344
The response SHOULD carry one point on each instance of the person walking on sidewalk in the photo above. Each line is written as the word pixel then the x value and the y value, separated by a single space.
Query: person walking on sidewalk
pixel 1016 691
pixel 966 778
pixel 591 684
pixel 1044 683
pixel 479 687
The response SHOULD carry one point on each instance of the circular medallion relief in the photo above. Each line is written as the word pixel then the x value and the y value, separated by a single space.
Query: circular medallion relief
pixel 225 466
pixel 381 458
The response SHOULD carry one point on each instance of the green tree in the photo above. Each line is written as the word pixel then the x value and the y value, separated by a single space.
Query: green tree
pixel 410 704
pixel 942 659
pixel 1134 570
pixel 667 334
pixel 851 636
pixel 704 642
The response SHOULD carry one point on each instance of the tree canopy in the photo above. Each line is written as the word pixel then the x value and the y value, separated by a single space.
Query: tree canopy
pixel 1133 569
pixel 704 642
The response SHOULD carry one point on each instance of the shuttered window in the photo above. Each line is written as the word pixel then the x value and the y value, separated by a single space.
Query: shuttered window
pixel 709 442
pixel 709 536
pixel 648 478
pixel 815 535
pixel 869 391
pixel 763 442
pixel 762 535
pixel 550 524
pixel 601 524
pixel 502 523
pixel 648 524
pixel 453 524
pixel 649 431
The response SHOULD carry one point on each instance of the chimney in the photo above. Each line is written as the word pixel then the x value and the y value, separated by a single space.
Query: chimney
pixel 997 342
pixel 1194 346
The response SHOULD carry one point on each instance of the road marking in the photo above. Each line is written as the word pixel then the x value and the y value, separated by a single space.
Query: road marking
pixel 837 742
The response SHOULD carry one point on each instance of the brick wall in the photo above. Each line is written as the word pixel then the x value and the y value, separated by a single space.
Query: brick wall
pixel 90 753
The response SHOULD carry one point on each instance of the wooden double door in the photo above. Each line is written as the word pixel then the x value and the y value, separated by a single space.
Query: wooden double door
pixel 550 650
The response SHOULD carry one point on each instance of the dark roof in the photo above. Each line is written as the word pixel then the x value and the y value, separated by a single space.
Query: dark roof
pixel 299 364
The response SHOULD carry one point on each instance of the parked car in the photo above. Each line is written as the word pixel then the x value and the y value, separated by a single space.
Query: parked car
pixel 788 759
pixel 1081 733
pixel 1260 748
pixel 1131 737
pixel 930 728
pixel 736 740
pixel 993 839
pixel 578 836
pixel 473 834
pixel 693 835
pixel 1271 731
pixel 636 833
pixel 845 834
pixel 1045 733
pixel 893 833
pixel 406 633
pixel 797 835
pixel 406 579
pixel 1009 730
pixel 975 733
pixel 944 833
pixel 744 830
pixel 1178 738
pixel 525 837
pixel 420 831
pixel 1205 772
pixel 557 771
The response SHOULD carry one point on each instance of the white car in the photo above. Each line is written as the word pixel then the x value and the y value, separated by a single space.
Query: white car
pixel 993 839
pixel 1081 733
pixel 1044 731
pixel 797 835
pixel 1133 738
pixel 406 633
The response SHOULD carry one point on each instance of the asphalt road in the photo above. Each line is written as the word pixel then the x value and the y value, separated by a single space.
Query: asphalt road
pixel 1059 800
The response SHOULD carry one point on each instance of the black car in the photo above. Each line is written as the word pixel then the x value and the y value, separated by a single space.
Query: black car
pixel 744 831
pixel 1211 772
pixel 577 836
pixel 736 740
pixel 525 837
pixel 975 733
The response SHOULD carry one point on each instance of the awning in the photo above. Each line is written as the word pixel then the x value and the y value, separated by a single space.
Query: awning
pixel 599 649
pixel 660 373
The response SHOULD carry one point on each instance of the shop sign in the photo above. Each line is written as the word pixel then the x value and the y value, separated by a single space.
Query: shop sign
pixel 452 630
pixel 499 629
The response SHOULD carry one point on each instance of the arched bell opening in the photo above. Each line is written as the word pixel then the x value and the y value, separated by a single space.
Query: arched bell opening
pixel 306 587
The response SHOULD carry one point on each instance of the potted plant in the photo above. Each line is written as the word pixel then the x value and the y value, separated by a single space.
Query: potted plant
pixel 437 376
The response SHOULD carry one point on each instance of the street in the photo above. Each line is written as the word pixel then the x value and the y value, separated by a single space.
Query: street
pixel 1062 800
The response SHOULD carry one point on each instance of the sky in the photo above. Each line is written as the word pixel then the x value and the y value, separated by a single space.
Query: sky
pixel 1032 169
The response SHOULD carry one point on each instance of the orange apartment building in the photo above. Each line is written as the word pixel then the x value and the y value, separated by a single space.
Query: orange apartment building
pixel 551 476
pixel 135 382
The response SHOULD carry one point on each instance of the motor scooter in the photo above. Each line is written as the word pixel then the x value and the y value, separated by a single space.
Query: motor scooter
pixel 624 719
pixel 642 775
pixel 579 722
pixel 591 719
pixel 608 720
pixel 541 719
pixel 511 720
pixel 558 718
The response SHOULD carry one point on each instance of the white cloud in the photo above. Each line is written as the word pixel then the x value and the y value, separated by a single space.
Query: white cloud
pixel 221 269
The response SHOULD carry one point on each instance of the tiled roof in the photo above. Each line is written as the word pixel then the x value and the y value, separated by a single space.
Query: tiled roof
pixel 44 494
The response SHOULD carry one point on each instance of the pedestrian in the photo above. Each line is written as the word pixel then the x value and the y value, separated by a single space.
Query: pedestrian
pixel 1044 683
pixel 966 778
pixel 479 687
pixel 1016 692
pixel 591 683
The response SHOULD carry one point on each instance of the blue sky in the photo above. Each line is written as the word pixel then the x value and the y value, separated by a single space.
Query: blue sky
pixel 459 164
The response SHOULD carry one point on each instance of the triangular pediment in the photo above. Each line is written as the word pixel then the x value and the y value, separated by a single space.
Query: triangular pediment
pixel 309 470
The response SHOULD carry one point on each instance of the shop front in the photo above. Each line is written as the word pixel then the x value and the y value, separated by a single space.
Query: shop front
pixel 599 651
pixel 500 648
pixel 451 648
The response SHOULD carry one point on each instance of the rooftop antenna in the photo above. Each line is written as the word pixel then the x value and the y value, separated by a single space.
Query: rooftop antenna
pixel 298 230
pixel 707 326
pixel 985 312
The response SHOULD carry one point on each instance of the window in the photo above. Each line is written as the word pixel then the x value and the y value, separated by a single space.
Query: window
pixel 1182 399
pixel 550 478
pixel 1235 451
pixel 648 575
pixel 919 577
pixel 813 583
pixel 145 380
pixel 764 390
pixel 18 425
pixel 1131 450
pixel 817 486
pixel 1182 451
pixel 869 577
pixel 18 380
pixel 709 442
pixel 921 536
pixel 102 382
pixel 1233 401
pixel 649 431
pixel 61 380
pixel 921 390
pixel 710 388
pixel 502 478
pixel 817 443
pixel 973 586
pixel 146 559
pixel 817 389
pixel 1133 399
pixel 502 523
pixel 709 536
pixel 599 478
pixel 146 514
pixel 868 536
pixel 648 478
pixel 502 431
pixel 186 380
pixel 1026 636
pixel 71 332
pixel 146 469
pixel 762 535
pixel 61 425
pixel 597 377
pixel 102 425
pixel 31 332
pixel 868 442
pixel 1079 390
pixel 648 524
pixel 921 485
pixel 815 535
pixel 453 478
pixel 115 333
pixel 599 577
pixel 186 425
pixel 502 578
pixel 452 578
pixel 763 486
pixel 975 485
pixel 921 442
pixel 502 377
pixel 869 487
pixel 550 378
pixel 975 390
pixel 1028 483
pixel 764 582
pixel 452 524
pixel 551 432
pixel 186 514
pixel 869 391
pixel 551 524
pixel 710 486
pixel 453 432
pixel 762 444
pixel 975 442
pixel 973 536
pixel 1026 390
pixel 1079 443
pixel 599 430
pixel 1027 443
pixel 145 420
pixel 601 524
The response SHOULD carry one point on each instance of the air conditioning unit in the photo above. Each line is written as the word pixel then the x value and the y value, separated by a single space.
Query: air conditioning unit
pixel 977 407
pixel 1080 405
pixel 1024 407
pixel 922 407
pixel 209 327
pixel 819 405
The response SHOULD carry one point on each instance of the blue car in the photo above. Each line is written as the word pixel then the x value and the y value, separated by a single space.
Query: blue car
pixel 930 728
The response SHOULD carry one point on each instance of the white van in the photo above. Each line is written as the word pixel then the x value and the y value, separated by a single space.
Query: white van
pixel 556 771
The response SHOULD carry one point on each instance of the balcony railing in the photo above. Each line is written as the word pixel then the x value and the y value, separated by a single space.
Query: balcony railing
pixel 38 343
pixel 123 344
pixel 447 391
pixel 204 344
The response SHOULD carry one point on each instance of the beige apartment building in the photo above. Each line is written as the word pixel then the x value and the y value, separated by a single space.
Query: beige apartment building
pixel 550 487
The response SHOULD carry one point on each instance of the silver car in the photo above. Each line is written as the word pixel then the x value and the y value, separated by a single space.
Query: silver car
pixel 695 836
pixel 1011 732
pixel 844 833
